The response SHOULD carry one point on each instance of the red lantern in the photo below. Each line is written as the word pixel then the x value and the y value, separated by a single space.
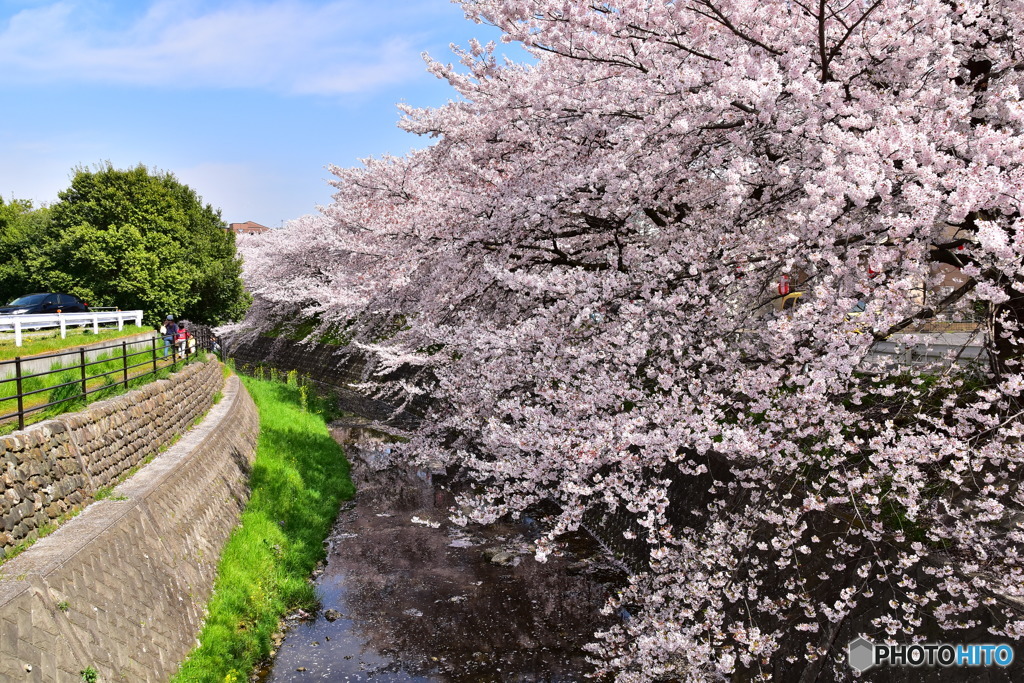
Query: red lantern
pixel 784 285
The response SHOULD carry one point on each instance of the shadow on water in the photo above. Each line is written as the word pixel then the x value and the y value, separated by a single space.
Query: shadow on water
pixel 408 597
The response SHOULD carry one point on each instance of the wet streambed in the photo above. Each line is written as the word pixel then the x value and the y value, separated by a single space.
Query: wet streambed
pixel 408 597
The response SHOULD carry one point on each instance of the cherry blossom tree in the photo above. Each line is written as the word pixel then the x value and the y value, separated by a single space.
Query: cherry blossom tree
pixel 582 268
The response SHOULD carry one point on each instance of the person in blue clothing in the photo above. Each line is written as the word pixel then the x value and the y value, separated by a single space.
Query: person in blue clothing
pixel 169 330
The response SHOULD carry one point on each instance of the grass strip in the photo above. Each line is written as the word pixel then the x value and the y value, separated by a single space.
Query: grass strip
pixel 298 481
pixel 49 343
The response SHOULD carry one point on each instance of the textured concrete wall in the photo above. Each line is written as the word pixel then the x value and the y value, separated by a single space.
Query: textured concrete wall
pixel 329 366
pixel 53 467
pixel 122 587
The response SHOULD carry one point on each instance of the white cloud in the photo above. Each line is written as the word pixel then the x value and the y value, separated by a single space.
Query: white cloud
pixel 294 46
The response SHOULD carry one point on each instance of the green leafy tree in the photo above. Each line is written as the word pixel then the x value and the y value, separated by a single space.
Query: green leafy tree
pixel 18 223
pixel 137 238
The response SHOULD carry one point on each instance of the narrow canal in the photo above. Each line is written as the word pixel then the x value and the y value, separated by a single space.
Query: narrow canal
pixel 406 596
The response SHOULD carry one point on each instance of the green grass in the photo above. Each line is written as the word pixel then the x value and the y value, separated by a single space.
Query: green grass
pixel 52 342
pixel 298 481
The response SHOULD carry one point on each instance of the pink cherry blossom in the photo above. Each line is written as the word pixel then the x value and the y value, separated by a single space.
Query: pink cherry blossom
pixel 581 273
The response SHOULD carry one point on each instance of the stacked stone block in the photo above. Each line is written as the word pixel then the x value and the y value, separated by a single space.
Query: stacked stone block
pixel 122 587
pixel 54 467
pixel 40 479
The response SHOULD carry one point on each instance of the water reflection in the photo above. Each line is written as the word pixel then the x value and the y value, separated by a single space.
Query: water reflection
pixel 415 599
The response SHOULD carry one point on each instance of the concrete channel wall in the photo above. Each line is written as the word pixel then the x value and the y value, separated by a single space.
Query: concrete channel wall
pixel 122 587
pixel 53 467
pixel 334 368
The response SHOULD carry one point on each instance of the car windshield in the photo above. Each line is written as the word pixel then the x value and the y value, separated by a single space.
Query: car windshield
pixel 30 300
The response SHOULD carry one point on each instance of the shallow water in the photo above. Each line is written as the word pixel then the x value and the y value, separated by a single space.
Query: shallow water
pixel 417 599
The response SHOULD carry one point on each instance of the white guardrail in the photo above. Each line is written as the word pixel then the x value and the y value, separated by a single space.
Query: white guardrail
pixel 37 321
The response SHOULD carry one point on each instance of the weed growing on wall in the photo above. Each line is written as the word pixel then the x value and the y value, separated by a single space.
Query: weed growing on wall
pixel 298 481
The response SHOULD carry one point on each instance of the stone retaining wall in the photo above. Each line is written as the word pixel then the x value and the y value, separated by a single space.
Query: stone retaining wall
pixel 53 467
pixel 122 587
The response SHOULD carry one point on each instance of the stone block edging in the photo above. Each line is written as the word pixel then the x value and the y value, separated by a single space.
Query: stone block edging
pixel 54 467
pixel 123 586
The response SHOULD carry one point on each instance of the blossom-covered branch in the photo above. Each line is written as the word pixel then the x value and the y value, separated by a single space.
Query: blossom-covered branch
pixel 582 268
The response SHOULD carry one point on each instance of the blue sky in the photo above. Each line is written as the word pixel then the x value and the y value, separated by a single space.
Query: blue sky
pixel 244 100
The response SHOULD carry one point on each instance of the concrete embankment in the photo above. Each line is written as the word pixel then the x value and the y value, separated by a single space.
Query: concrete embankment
pixel 122 587
pixel 51 468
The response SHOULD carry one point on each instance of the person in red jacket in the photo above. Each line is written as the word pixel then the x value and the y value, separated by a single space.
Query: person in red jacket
pixel 181 338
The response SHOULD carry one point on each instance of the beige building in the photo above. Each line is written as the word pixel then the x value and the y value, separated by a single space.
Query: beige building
pixel 247 228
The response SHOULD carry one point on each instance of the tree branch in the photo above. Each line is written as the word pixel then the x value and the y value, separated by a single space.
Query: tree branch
pixel 929 312
pixel 717 16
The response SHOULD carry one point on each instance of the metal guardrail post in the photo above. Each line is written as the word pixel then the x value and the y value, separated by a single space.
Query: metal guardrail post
pixel 21 399
pixel 154 355
pixel 81 355
pixel 124 361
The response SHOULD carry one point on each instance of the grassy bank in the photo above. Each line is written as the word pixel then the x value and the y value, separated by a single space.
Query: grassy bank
pixel 298 481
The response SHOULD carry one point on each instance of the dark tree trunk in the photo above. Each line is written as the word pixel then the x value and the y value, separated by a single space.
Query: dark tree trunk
pixel 1004 325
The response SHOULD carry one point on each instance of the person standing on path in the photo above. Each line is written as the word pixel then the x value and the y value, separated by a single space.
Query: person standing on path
pixel 169 331
pixel 182 337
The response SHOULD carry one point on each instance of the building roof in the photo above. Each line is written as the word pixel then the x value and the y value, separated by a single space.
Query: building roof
pixel 247 228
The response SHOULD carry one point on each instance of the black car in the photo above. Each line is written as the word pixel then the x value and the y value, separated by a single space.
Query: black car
pixel 45 303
